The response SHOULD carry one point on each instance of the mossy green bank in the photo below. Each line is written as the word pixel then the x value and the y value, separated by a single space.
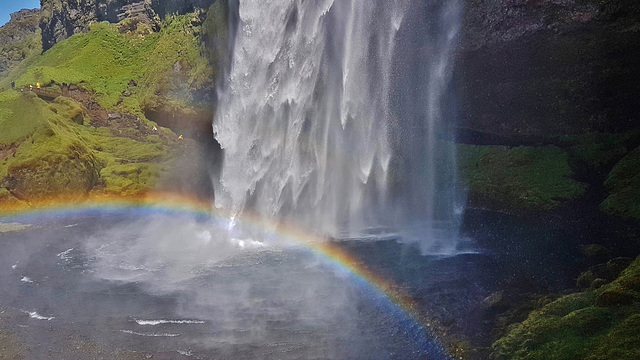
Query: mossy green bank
pixel 594 325
pixel 517 179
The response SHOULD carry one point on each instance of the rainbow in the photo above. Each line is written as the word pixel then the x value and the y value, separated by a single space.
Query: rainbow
pixel 383 292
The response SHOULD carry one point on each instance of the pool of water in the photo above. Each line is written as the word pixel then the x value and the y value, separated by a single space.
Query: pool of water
pixel 182 287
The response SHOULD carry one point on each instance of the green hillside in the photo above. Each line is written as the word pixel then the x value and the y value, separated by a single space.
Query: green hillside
pixel 93 135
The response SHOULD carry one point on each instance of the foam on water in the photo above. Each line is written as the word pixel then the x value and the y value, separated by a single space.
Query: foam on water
pixel 149 334
pixel 162 322
pixel 65 254
pixel 35 315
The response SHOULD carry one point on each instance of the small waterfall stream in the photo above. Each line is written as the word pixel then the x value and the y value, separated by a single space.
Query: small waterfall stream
pixel 334 117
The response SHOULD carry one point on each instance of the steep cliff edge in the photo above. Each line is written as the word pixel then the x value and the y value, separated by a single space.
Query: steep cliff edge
pixel 19 39
pixel 62 19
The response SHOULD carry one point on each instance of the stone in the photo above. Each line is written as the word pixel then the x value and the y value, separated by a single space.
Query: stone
pixel 594 251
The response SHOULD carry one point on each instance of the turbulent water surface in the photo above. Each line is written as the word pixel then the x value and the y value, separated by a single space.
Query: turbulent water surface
pixel 173 287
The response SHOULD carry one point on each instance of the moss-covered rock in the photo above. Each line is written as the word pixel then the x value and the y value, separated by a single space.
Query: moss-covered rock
pixel 623 184
pixel 595 324
pixel 71 109
pixel 585 279
pixel 67 169
pixel 515 179
pixel 52 153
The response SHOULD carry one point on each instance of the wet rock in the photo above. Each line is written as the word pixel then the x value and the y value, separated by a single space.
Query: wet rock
pixel 595 251
pixel 494 300
pixel 585 279
pixel 562 61
pixel 617 265
pixel 601 274
pixel 598 283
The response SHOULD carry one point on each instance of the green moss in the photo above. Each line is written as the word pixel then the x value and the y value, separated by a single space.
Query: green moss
pixel 623 184
pixel 130 179
pixel 48 148
pixel 19 116
pixel 621 343
pixel 517 178
pixel 56 155
pixel 70 109
pixel 596 324
pixel 105 61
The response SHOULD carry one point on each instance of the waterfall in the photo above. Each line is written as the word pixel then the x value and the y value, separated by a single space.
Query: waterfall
pixel 333 115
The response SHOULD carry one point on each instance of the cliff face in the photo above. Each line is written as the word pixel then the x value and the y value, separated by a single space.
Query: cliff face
pixel 62 19
pixel 19 38
pixel 539 67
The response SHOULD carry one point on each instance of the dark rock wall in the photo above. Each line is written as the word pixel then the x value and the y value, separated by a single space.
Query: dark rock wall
pixel 539 67
pixel 163 7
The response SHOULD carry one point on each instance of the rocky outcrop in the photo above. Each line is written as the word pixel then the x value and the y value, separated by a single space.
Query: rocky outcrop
pixel 18 38
pixel 163 7
pixel 23 24
pixel 539 67
pixel 63 19
pixel 71 172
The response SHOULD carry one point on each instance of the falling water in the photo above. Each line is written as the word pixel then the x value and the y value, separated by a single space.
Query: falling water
pixel 334 115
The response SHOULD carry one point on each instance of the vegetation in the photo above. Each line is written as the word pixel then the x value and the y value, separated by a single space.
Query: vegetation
pixel 60 148
pixel 623 184
pixel 49 152
pixel 521 178
pixel 595 324
pixel 109 58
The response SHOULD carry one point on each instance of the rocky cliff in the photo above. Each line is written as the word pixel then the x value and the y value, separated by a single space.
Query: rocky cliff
pixel 539 67
pixel 62 19
pixel 19 38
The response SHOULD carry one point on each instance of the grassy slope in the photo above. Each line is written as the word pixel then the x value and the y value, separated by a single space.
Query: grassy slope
pixel 50 149
pixel 593 325
pixel 54 152
pixel 105 61
pixel 521 178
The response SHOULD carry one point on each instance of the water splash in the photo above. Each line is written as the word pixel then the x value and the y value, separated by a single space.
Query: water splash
pixel 307 118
